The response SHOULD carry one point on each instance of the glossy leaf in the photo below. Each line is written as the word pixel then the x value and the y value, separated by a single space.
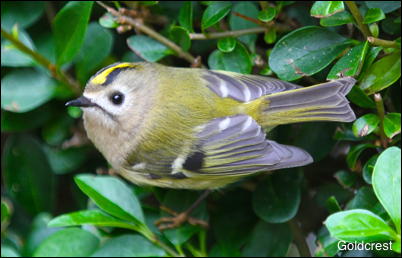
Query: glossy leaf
pixel 270 36
pixel 181 37
pixel 89 217
pixel 11 56
pixel 382 73
pixel 387 183
pixel 236 61
pixel 385 6
pixel 332 205
pixel 112 195
pixel 346 178
pixel 358 97
pixel 366 199
pixel 66 160
pixel 97 45
pixel 237 23
pixel 322 9
pixel 274 203
pixel 28 176
pixel 368 169
pixel 392 124
pixel 279 236
pixel 337 19
pixel 267 14
pixel 108 21
pixel 365 125
pixel 355 152
pixel 372 54
pixel 6 212
pixel 373 15
pixel 351 63
pixel 68 242
pixel 226 45
pixel 215 12
pixel 148 48
pixel 186 16
pixel 69 27
pixel 25 89
pixel 129 245
pixel 22 13
pixel 305 51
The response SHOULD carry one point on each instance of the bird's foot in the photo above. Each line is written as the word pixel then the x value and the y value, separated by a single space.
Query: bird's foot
pixel 177 220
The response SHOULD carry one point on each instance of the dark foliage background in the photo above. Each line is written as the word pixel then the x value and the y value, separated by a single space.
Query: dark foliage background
pixel 56 200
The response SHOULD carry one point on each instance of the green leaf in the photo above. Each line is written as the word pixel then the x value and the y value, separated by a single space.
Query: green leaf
pixel 64 161
pixel 68 242
pixel 57 130
pixel 387 183
pixel 28 176
pixel 328 246
pixel 97 46
pixel 365 199
pixel 186 16
pixel 236 61
pixel 279 236
pixel 89 217
pixel 6 212
pixel 368 169
pixel 373 15
pixel 270 36
pixel 112 195
pixel 11 56
pixel 129 245
pixel 305 51
pixel 358 225
pixel 332 205
pixel 226 45
pixel 346 178
pixel 9 251
pixel 351 63
pixel 237 23
pixel 355 152
pixel 69 27
pixel 181 37
pixel 19 122
pixel 368 61
pixel 321 9
pixel 337 19
pixel 385 6
pixel 392 124
pixel 382 73
pixel 148 48
pixel 267 14
pixel 215 12
pixel 365 125
pixel 358 97
pixel 274 203
pixel 22 13
pixel 25 89
pixel 108 21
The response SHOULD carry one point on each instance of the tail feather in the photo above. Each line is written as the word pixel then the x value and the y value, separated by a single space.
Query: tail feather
pixel 322 102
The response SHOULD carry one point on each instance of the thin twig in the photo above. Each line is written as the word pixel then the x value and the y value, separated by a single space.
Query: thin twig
pixel 54 70
pixel 233 33
pixel 150 32
pixel 358 18
pixel 381 113
pixel 383 43
pixel 299 238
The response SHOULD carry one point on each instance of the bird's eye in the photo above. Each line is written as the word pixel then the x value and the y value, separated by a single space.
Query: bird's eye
pixel 117 98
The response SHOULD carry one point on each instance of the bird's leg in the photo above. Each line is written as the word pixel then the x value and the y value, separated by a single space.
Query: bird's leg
pixel 179 218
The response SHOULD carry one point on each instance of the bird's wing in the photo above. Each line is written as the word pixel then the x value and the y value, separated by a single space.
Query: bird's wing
pixel 242 87
pixel 236 145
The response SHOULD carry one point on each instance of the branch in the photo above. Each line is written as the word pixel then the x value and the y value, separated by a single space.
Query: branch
pixel 383 42
pixel 299 238
pixel 124 19
pixel 54 70
pixel 358 18
pixel 233 33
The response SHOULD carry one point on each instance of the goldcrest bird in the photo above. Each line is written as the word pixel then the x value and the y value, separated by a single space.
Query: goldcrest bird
pixel 196 128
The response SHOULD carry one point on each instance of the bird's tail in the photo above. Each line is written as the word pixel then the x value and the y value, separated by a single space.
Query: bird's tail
pixel 322 102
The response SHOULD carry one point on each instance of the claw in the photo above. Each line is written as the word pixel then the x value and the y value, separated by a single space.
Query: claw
pixel 177 220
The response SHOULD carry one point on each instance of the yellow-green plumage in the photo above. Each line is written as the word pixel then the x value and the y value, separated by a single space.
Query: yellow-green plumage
pixel 196 129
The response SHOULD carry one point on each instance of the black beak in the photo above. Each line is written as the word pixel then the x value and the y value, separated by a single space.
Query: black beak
pixel 81 102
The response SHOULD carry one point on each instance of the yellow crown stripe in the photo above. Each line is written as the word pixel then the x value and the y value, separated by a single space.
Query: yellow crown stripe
pixel 102 77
